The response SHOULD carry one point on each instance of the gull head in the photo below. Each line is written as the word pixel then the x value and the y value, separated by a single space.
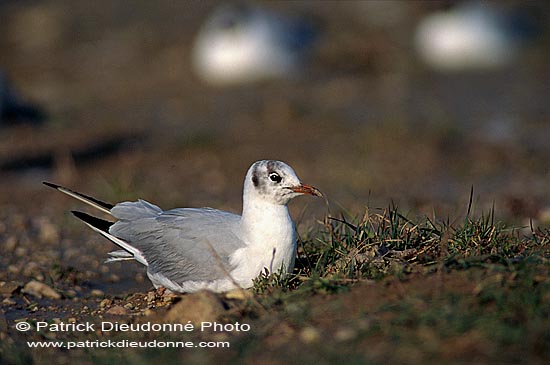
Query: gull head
pixel 275 182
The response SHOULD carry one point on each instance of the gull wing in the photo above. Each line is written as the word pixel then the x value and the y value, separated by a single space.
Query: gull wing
pixel 183 244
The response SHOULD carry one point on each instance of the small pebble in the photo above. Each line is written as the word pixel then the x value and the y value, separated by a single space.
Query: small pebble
pixel 9 301
pixel 105 303
pixel 39 290
pixel 10 244
pixel 97 293
pixel 344 334
pixel 20 251
pixel 47 231
pixel 117 310
pixel 114 278
pixel 310 335
pixel 8 288
pixel 70 293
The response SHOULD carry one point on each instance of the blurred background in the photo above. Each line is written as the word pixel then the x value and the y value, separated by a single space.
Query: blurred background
pixel 372 102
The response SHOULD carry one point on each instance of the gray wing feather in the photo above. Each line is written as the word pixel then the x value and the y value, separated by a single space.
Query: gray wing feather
pixel 135 210
pixel 181 244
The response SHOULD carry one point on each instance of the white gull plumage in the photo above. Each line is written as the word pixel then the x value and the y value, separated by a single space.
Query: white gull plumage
pixel 190 249
pixel 241 43
pixel 470 36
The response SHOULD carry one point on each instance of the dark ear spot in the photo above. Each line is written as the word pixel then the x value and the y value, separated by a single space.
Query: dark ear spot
pixel 255 179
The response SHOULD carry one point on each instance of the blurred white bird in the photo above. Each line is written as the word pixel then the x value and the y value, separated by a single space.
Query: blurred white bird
pixel 473 35
pixel 242 44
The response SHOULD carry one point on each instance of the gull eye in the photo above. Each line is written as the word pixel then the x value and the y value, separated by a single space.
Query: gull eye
pixel 275 177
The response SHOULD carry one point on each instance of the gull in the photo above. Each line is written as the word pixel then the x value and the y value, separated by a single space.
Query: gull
pixel 474 36
pixel 191 249
pixel 240 44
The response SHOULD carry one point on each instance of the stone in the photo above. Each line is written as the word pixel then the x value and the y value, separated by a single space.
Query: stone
pixel 203 306
pixel 117 310
pixel 7 288
pixel 40 290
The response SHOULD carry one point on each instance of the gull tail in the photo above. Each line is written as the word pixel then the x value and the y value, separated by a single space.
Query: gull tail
pixel 101 226
pixel 98 204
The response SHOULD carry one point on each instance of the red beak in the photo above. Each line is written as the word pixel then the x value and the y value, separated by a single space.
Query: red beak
pixel 306 189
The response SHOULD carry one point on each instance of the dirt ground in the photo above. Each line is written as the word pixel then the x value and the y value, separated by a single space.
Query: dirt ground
pixel 366 122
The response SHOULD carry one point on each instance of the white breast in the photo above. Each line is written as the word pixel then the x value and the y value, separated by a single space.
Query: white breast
pixel 271 245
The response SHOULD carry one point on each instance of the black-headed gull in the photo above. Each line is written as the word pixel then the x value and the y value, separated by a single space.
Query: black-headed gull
pixel 189 249
pixel 242 43
pixel 473 36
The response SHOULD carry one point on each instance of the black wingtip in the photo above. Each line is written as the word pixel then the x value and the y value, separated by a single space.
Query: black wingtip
pixel 80 215
pixel 74 194
pixel 51 185
pixel 93 221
